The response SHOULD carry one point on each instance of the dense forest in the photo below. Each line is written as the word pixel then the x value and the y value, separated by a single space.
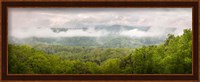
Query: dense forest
pixel 173 56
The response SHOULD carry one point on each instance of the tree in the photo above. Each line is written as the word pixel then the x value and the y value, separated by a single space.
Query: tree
pixel 39 64
pixel 111 66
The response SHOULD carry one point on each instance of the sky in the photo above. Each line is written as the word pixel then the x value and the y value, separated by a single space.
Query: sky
pixel 36 22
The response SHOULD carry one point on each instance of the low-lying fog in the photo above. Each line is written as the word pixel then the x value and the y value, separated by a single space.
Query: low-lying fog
pixel 96 22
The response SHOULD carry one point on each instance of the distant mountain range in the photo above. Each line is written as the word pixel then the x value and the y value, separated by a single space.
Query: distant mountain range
pixel 111 40
pixel 109 28
pixel 107 41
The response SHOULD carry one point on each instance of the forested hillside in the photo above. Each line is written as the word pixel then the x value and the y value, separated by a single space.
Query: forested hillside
pixel 114 36
pixel 173 56
pixel 109 41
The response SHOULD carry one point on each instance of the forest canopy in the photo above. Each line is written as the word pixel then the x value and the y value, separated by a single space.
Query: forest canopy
pixel 173 56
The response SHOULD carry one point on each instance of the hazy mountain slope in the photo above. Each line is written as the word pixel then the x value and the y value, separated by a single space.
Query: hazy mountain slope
pixel 116 36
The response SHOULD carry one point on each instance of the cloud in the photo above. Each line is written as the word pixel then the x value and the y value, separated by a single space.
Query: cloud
pixel 24 22
pixel 46 32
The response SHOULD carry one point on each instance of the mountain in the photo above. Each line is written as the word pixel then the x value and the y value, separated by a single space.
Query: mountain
pixel 113 39
pixel 109 28
pixel 107 41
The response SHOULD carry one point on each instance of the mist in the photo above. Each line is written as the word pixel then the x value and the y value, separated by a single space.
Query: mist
pixel 39 22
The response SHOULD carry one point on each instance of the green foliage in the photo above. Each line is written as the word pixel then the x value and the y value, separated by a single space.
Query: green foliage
pixel 174 56
pixel 111 66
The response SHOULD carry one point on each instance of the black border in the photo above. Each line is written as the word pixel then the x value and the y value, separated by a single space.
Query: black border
pixel 100 77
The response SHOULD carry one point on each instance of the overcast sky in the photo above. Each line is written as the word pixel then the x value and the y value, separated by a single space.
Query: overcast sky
pixel 24 22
